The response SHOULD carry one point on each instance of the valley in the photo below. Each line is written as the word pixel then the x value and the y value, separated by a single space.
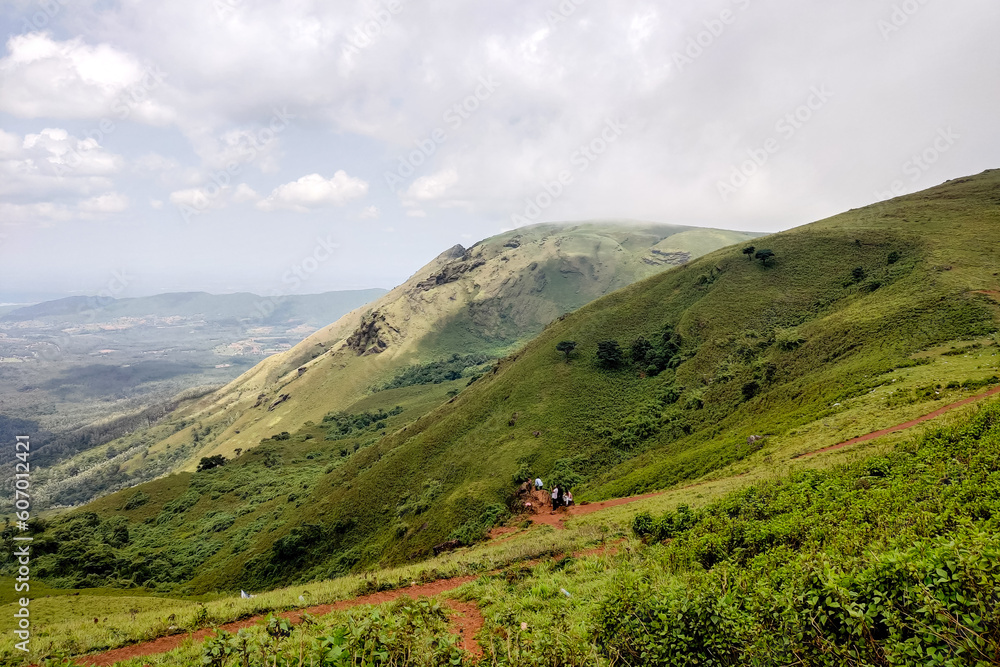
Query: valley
pixel 385 449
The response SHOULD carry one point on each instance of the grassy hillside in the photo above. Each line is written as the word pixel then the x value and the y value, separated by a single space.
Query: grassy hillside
pixel 859 322
pixel 888 557
pixel 477 304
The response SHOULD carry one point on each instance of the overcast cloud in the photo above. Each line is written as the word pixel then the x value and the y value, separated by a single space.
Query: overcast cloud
pixel 213 145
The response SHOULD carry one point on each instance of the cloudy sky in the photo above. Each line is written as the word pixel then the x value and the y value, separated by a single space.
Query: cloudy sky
pixel 302 146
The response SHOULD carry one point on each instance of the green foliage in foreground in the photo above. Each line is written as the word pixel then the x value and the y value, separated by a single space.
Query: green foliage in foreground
pixel 889 560
pixel 892 560
pixel 406 632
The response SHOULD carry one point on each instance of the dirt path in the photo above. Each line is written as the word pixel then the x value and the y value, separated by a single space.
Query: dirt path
pixel 468 620
pixel 467 625
pixel 545 516
pixel 905 425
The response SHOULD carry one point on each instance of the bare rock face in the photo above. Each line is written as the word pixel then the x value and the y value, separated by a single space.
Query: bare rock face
pixel 372 335
pixel 659 257
pixel 453 270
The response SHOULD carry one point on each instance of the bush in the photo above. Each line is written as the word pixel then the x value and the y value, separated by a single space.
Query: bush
pixel 209 462
pixel 609 354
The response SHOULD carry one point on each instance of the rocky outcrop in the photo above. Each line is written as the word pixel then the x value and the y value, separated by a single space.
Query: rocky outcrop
pixel 659 257
pixel 372 335
pixel 451 271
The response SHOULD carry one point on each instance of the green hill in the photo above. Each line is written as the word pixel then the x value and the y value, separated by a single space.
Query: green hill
pixel 465 308
pixel 858 322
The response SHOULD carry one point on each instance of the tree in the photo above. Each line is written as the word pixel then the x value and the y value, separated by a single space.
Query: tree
pixel 640 349
pixel 209 462
pixel 764 255
pixel 566 346
pixel 563 475
pixel 609 354
pixel 858 274
pixel 748 251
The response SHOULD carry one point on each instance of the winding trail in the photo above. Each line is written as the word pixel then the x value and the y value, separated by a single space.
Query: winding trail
pixel 468 620
pixel 905 425
pixel 466 627
pixel 544 515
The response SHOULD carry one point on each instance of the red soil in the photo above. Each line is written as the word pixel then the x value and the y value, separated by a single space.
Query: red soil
pixel 905 425
pixel 467 626
pixel 467 622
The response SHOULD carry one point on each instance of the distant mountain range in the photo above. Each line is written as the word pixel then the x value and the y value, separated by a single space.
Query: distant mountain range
pixel 315 310
pixel 386 433
pixel 464 309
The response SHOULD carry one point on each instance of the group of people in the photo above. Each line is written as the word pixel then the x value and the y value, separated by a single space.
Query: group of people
pixel 560 497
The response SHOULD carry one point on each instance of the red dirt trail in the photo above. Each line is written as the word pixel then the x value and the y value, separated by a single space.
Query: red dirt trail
pixel 468 620
pixel 465 623
pixel 905 425
pixel 466 627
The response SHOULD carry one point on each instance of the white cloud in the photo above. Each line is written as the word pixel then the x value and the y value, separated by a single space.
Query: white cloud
pixel 200 199
pixel 416 213
pixel 37 213
pixel 44 78
pixel 313 191
pixel 245 193
pixel 10 145
pixel 54 151
pixel 369 213
pixel 52 161
pixel 432 187
pixel 156 204
pixel 110 202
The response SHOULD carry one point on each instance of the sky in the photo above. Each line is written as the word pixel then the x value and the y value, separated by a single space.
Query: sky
pixel 303 146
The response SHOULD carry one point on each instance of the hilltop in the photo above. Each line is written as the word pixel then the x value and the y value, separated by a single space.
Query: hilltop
pixel 856 322
pixel 464 309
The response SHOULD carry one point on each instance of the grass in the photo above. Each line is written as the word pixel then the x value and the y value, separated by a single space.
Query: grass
pixel 807 351
pixel 64 626
pixel 734 585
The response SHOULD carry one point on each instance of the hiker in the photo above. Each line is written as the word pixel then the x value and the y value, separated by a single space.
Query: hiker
pixel 538 484
pixel 569 499
pixel 562 498
pixel 555 498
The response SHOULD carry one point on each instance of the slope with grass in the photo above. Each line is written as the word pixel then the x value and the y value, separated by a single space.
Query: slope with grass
pixel 888 557
pixel 859 322
pixel 462 309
